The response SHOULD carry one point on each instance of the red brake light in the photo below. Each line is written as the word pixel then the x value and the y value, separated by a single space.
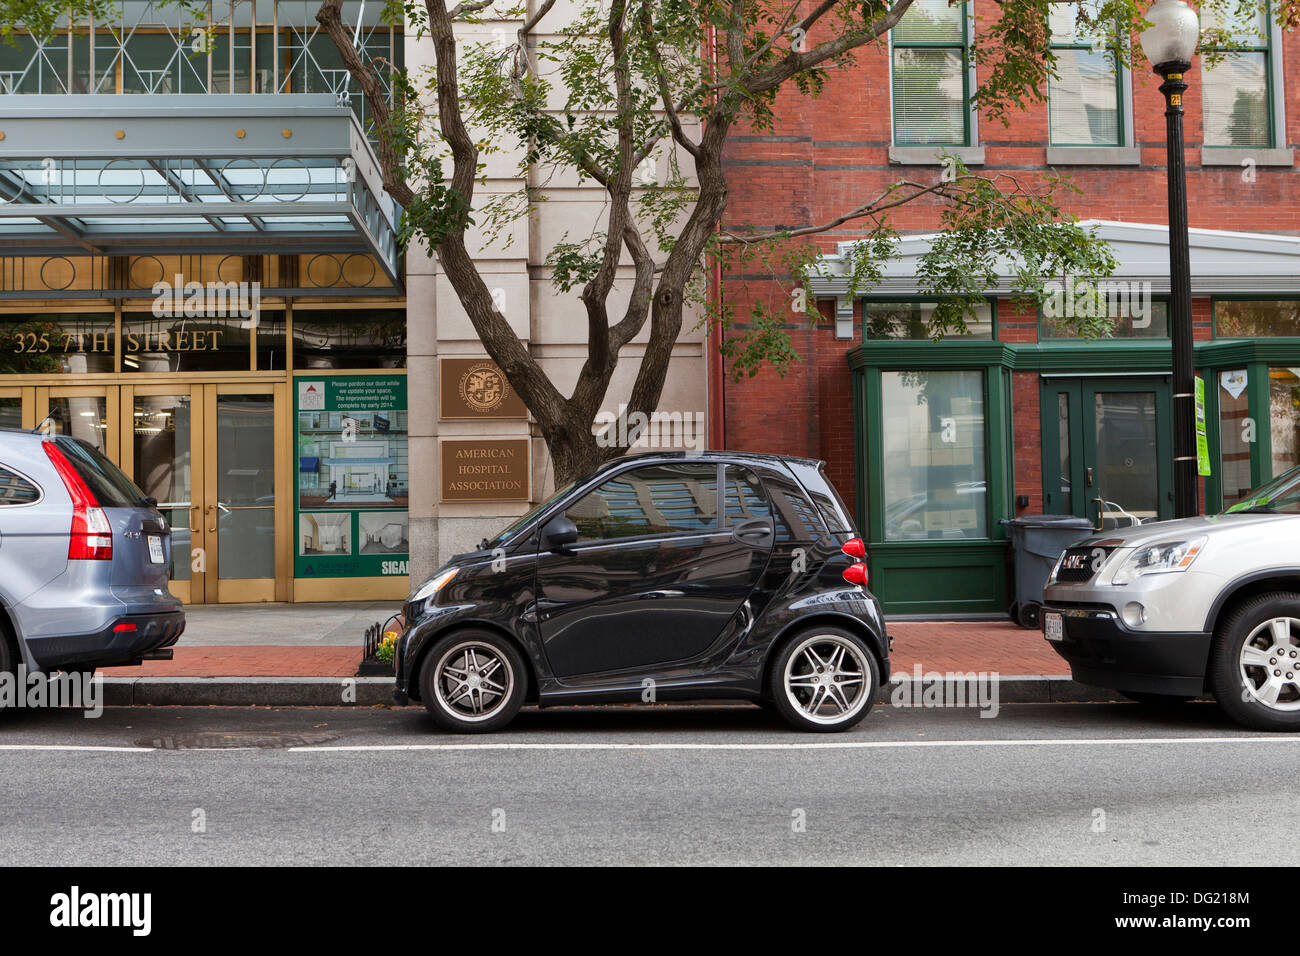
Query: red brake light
pixel 856 574
pixel 855 548
pixel 124 627
pixel 92 536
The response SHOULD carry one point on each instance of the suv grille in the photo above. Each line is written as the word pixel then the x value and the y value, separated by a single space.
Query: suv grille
pixel 1080 564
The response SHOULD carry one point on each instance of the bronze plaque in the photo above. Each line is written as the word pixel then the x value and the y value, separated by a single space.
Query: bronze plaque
pixel 476 388
pixel 484 469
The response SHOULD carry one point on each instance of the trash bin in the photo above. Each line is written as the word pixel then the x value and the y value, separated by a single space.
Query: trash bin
pixel 1038 541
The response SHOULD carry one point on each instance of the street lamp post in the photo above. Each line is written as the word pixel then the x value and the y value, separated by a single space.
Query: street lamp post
pixel 1169 44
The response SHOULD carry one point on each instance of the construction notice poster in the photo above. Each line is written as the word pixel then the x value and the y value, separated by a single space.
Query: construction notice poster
pixel 350 510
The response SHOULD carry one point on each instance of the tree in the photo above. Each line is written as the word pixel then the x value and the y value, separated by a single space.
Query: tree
pixel 670 80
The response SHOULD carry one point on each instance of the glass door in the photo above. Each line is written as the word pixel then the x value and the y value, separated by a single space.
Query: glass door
pixel 244 518
pixel 1107 449
pixel 164 457
pixel 88 412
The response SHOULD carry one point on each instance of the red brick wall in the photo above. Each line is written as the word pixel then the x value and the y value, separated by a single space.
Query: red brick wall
pixel 830 154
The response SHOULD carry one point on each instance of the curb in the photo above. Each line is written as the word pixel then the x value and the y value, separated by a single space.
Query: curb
pixel 247 691
pixel 372 691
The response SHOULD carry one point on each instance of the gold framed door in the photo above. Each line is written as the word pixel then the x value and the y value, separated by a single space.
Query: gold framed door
pixel 82 411
pixel 245 493
pixel 162 451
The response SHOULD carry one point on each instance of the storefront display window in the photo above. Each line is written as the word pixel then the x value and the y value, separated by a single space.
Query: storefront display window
pixel 933 465
pixel 1284 417
pixel 1236 434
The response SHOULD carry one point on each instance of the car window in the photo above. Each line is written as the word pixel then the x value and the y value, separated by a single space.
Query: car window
pixel 520 524
pixel 653 499
pixel 15 489
pixel 745 498
pixel 795 518
pixel 111 488
pixel 1281 496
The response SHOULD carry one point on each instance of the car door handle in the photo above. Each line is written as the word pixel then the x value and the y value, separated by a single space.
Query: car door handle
pixel 757 531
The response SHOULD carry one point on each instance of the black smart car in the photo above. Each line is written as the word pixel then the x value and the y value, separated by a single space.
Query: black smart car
pixel 658 577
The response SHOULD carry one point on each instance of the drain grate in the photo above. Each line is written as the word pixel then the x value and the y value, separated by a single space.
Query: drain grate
pixel 237 740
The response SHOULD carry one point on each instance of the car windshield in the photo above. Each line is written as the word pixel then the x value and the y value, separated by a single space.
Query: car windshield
pixel 1279 496
pixel 509 533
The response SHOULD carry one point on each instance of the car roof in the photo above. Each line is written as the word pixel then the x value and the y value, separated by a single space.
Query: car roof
pixel 738 457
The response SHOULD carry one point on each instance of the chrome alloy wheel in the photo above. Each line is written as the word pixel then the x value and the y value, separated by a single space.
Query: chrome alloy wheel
pixel 828 679
pixel 473 681
pixel 1270 664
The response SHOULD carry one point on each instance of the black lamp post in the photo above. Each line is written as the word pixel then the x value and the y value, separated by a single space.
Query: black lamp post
pixel 1169 44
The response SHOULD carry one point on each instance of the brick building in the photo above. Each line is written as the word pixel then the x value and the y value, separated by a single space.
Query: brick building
pixel 934 443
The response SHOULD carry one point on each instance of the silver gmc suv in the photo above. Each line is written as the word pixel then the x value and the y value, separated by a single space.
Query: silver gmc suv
pixel 1173 609
pixel 83 560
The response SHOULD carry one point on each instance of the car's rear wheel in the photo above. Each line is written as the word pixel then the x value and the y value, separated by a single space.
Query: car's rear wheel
pixel 1255 664
pixel 473 682
pixel 824 679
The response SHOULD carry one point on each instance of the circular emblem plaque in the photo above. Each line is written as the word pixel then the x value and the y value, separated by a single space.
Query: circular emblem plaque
pixel 483 387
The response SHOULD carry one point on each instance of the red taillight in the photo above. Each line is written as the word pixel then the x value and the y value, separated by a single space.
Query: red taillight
pixel 856 574
pixel 855 548
pixel 124 627
pixel 92 535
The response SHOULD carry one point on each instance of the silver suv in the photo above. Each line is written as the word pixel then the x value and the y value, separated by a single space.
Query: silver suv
pixel 83 560
pixel 1175 608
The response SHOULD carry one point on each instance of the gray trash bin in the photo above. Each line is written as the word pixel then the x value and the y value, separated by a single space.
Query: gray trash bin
pixel 1038 541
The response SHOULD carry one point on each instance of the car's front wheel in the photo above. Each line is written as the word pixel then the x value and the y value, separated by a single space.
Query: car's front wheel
pixel 1255 664
pixel 824 679
pixel 473 682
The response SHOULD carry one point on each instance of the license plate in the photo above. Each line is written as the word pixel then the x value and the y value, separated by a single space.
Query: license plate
pixel 1053 627
pixel 155 549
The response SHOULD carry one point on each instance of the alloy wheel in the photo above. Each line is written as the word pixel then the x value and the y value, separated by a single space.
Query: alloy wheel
pixel 473 681
pixel 827 678
pixel 1270 664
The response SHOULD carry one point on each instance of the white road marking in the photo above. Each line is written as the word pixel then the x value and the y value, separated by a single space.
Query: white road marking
pixel 77 747
pixel 809 745
pixel 601 746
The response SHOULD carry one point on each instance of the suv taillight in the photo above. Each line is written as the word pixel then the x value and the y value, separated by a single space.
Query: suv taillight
pixel 92 536
pixel 855 548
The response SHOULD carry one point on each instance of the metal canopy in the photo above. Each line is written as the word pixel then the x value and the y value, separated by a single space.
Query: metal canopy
pixel 248 174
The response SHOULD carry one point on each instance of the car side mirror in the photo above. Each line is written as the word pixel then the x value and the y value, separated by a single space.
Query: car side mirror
pixel 559 533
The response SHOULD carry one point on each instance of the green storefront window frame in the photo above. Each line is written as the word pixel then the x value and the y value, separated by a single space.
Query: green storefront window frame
pixel 990 558
pixel 964 46
pixel 987 556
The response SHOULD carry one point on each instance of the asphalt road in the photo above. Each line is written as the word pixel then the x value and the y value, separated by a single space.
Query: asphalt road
pixel 1039 784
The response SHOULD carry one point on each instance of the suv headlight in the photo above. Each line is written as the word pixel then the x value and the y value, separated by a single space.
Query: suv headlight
pixel 424 595
pixel 1159 559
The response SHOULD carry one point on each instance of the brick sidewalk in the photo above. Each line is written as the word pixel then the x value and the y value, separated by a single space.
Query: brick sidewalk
pixel 935 645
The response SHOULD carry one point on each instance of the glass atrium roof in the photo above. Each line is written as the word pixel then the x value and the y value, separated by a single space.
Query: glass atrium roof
pixel 248 174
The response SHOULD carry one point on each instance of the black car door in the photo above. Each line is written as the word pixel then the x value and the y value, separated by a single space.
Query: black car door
pixel 654 575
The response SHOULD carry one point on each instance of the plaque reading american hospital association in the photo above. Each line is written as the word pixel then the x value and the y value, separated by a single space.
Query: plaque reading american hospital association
pixel 485 470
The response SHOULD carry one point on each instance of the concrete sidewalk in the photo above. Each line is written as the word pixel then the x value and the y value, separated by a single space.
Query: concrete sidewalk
pixel 299 654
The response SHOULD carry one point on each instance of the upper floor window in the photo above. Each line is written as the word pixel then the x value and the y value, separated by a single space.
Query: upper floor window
pixel 1085 93
pixel 912 320
pixel 1256 318
pixel 1237 96
pixel 930 75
